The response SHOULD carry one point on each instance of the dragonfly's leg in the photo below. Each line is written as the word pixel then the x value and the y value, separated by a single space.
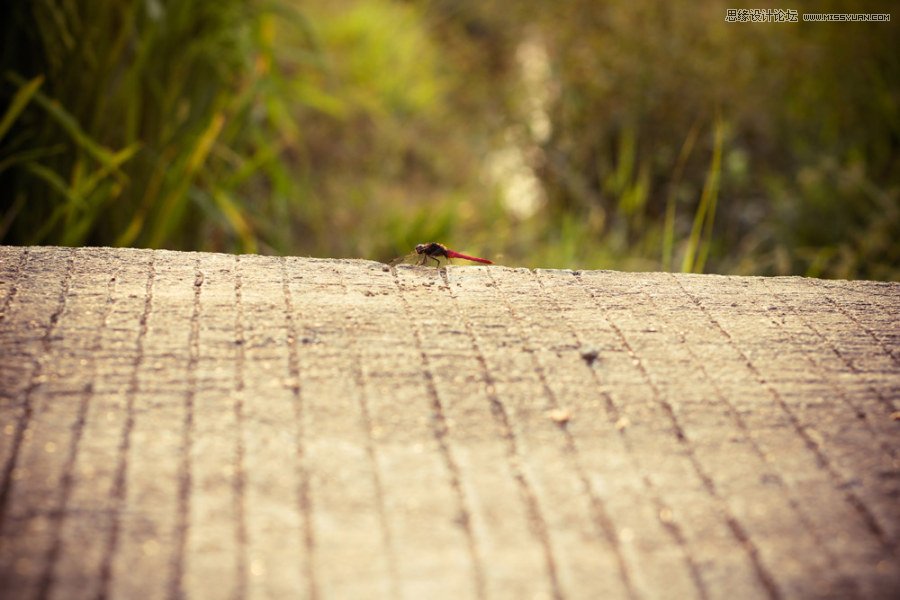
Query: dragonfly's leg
pixel 437 261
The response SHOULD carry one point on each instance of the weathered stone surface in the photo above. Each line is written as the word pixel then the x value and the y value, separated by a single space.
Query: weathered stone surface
pixel 210 426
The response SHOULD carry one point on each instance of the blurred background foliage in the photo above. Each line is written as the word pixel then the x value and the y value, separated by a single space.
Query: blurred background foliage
pixel 624 134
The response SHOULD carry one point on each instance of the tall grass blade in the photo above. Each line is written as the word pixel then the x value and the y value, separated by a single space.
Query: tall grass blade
pixel 172 205
pixel 89 183
pixel 31 155
pixel 232 212
pixel 56 182
pixel 706 209
pixel 668 244
pixel 11 214
pixel 21 99
pixel 711 188
pixel 69 123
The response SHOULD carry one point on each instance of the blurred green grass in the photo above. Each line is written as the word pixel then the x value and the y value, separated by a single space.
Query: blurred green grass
pixel 623 135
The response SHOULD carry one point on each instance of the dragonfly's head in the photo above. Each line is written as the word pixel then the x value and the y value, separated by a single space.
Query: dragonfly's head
pixel 421 248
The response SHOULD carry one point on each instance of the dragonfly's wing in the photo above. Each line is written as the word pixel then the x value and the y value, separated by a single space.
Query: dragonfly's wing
pixel 409 259
pixel 420 259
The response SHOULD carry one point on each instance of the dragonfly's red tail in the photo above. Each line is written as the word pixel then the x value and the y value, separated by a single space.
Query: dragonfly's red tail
pixel 452 254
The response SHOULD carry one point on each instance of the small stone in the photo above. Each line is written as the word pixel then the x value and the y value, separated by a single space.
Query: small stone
pixel 590 355
pixel 560 416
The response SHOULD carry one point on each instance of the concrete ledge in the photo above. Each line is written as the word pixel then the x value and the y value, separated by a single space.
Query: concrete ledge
pixel 215 426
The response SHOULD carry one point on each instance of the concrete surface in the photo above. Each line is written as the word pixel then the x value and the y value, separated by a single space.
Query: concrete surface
pixel 181 425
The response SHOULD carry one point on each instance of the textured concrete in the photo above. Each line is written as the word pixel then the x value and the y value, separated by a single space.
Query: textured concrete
pixel 209 426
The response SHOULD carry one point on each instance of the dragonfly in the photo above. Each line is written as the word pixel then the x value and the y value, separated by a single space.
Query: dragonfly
pixel 436 252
